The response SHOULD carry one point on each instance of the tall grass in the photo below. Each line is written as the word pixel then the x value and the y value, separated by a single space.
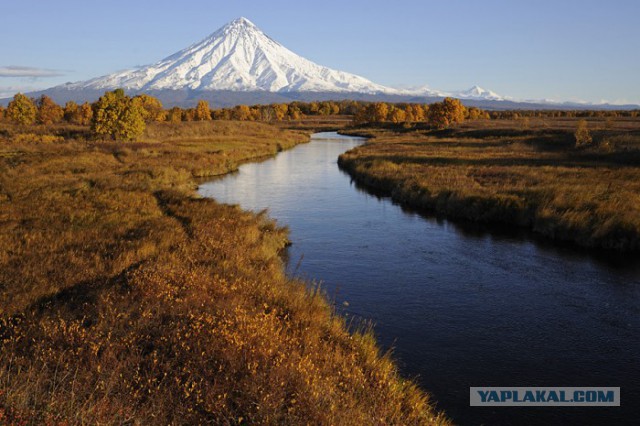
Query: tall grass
pixel 497 172
pixel 126 299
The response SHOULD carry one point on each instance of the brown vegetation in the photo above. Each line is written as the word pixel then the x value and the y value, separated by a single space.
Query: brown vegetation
pixel 499 171
pixel 125 299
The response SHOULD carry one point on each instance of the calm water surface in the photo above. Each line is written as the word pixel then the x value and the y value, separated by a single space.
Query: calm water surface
pixel 460 307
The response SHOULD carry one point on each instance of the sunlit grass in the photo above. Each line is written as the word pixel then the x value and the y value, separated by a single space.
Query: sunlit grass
pixel 125 298
pixel 496 172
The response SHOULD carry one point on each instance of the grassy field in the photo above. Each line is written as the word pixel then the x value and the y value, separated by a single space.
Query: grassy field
pixel 126 299
pixel 518 172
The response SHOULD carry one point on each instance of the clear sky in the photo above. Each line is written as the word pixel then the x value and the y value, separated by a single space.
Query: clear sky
pixel 563 49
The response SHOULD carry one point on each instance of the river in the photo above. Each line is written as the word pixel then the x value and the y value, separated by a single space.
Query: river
pixel 459 305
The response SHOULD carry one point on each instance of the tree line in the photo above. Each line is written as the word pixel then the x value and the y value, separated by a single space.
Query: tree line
pixel 114 115
pixel 118 116
pixel 123 117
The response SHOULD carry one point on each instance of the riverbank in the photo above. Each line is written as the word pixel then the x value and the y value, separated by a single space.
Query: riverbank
pixel 127 298
pixel 498 171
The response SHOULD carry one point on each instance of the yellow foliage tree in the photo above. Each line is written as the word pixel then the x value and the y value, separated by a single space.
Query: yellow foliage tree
pixel 280 111
pixel 446 113
pixel 202 112
pixel 152 109
pixel 241 112
pixel 174 115
pixel 72 112
pixel 397 115
pixel 372 113
pixel 295 113
pixel 118 116
pixel 86 114
pixel 22 110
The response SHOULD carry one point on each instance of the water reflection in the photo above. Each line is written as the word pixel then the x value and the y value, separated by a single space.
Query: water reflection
pixel 462 305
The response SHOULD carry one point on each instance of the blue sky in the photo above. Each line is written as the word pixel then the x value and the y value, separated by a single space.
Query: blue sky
pixel 562 49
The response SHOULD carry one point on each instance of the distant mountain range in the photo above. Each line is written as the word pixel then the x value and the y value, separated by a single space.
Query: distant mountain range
pixel 240 64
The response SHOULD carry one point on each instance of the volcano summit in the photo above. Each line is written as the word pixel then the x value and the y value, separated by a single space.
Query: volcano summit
pixel 238 57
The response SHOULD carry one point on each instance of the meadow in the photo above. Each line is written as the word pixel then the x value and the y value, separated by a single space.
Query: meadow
pixel 127 299
pixel 525 172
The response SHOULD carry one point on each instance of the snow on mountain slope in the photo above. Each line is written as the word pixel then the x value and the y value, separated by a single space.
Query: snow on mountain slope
pixel 239 56
pixel 477 92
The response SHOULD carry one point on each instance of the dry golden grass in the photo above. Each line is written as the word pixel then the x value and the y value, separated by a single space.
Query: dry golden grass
pixel 496 171
pixel 125 299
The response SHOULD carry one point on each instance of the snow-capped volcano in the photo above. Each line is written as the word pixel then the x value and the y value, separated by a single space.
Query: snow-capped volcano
pixel 477 92
pixel 239 64
pixel 242 59
pixel 239 57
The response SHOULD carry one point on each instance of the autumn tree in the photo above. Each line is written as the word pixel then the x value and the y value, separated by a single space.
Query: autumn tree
pixel 22 110
pixel 372 113
pixel 86 114
pixel 256 113
pixel 202 111
pixel 474 113
pixel 409 115
pixel 152 109
pixel 71 112
pixel 49 112
pixel 379 112
pixel 420 112
pixel 280 111
pixel 189 114
pixel 174 115
pixel 314 107
pixel 397 115
pixel 78 114
pixel 446 113
pixel 294 112
pixel 241 112
pixel 117 116
pixel 267 113
pixel 324 108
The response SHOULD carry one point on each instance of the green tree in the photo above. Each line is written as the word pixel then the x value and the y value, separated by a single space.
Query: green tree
pixel 117 116
pixel 22 110
pixel 202 112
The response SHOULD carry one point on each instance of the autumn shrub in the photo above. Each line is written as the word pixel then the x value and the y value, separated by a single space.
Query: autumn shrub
pixel 37 138
pixel 582 134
